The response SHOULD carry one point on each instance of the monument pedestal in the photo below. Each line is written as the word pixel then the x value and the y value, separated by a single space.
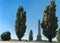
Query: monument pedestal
pixel 38 38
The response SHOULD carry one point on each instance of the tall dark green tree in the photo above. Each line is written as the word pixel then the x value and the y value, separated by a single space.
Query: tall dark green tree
pixel 20 23
pixel 49 22
pixel 30 35
pixel 58 35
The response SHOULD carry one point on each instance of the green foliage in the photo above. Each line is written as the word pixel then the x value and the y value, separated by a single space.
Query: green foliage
pixel 20 26
pixel 58 35
pixel 49 22
pixel 6 36
pixel 30 35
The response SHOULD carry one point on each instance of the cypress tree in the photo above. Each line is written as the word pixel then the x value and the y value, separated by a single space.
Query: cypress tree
pixel 49 22
pixel 20 23
pixel 30 35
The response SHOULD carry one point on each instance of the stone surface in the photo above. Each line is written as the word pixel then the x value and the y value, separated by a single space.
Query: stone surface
pixel 39 32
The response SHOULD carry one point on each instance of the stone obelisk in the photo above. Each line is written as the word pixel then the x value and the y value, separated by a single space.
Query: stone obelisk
pixel 39 32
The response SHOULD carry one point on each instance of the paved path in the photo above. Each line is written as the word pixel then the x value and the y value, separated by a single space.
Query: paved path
pixel 23 42
pixel 19 42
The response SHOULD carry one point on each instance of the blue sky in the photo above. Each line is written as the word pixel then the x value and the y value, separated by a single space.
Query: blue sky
pixel 34 11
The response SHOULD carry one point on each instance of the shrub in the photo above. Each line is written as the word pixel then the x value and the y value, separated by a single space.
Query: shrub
pixel 58 35
pixel 6 36
pixel 30 35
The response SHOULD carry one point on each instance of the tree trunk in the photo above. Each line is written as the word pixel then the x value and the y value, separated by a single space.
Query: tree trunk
pixel 50 39
pixel 19 39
